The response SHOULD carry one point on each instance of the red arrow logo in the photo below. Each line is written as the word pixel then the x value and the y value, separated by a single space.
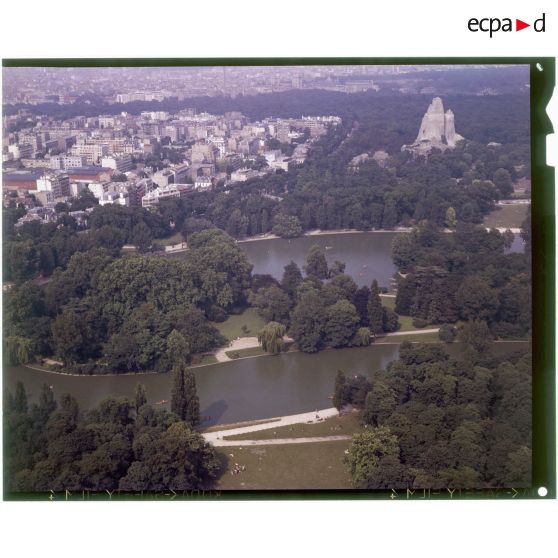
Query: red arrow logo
pixel 519 25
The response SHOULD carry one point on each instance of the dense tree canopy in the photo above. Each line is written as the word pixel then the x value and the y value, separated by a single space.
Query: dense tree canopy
pixel 436 422
pixel 124 309
pixel 56 446
pixel 466 275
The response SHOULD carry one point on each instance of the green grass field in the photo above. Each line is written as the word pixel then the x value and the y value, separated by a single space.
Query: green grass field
pixel 508 216
pixel 406 322
pixel 314 465
pixel 176 238
pixel 335 426
pixel 388 301
pixel 231 328
pixel 317 465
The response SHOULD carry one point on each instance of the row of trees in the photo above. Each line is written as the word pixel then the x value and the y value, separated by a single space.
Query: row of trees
pixel 435 421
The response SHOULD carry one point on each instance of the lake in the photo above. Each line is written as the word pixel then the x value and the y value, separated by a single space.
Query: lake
pixel 367 255
pixel 246 389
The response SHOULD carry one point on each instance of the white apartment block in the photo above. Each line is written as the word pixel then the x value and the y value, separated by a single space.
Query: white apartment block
pixel 122 163
pixel 117 198
pixel 203 183
pixel 106 121
pixel 242 175
pixel 91 151
pixel 165 192
pixel 76 188
pixel 272 155
pixel 64 162
pixel 58 184
pixel 219 144
pixel 97 189
pixel 21 150
pixel 283 163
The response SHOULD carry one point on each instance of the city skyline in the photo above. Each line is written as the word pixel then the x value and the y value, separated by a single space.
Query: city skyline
pixel 125 84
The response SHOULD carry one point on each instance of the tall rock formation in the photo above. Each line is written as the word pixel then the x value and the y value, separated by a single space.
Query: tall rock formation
pixel 437 130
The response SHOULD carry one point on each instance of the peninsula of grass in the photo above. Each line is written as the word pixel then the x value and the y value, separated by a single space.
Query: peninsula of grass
pixel 204 360
pixel 231 328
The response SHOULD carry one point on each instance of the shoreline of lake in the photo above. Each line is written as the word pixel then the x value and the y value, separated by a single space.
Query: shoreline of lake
pixel 244 389
pixel 152 372
pixel 320 232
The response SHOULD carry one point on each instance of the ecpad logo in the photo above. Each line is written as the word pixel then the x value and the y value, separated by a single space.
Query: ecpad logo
pixel 493 25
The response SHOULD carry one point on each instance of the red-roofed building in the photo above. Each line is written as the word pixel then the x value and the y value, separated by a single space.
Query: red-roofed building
pixel 95 174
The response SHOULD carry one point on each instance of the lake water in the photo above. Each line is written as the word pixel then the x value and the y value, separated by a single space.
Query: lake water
pixel 518 245
pixel 246 389
pixel 367 255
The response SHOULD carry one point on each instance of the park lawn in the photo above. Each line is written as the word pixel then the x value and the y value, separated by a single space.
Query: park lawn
pixel 405 322
pixel 422 338
pixel 506 216
pixel 176 238
pixel 231 328
pixel 243 353
pixel 334 426
pixel 315 465
pixel 388 302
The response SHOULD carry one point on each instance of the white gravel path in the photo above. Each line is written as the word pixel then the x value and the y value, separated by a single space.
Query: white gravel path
pixel 413 332
pixel 216 438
